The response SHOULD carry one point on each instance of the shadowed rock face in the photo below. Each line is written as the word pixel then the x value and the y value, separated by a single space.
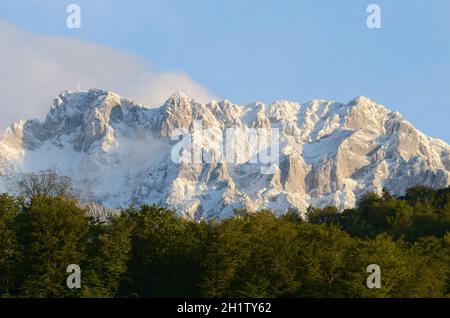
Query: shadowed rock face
pixel 119 153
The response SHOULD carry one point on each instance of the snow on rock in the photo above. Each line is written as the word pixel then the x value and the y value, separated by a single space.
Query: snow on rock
pixel 118 153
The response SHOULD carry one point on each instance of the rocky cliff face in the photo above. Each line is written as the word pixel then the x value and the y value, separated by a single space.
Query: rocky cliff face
pixel 120 153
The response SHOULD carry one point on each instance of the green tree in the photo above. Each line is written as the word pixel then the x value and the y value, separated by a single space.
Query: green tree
pixel 166 254
pixel 52 233
pixel 404 273
pixel 253 256
pixel 436 253
pixel 108 251
pixel 323 260
pixel 328 215
pixel 9 251
pixel 400 218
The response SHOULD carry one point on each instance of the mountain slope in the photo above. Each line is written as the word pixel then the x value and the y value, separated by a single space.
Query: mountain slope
pixel 120 153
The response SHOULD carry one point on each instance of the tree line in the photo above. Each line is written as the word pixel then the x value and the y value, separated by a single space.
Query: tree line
pixel 150 251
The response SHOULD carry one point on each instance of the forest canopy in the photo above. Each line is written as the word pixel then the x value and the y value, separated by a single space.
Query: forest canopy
pixel 150 251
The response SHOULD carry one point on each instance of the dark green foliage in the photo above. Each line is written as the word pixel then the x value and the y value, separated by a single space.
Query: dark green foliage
pixel 421 212
pixel 324 257
pixel 152 252
pixel 405 273
pixel 253 256
pixel 9 250
pixel 108 252
pixel 52 233
pixel 328 215
pixel 166 254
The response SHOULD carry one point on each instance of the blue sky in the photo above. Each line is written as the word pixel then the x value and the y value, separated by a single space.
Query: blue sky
pixel 267 50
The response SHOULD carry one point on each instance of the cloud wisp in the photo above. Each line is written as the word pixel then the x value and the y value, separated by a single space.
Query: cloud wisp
pixel 35 68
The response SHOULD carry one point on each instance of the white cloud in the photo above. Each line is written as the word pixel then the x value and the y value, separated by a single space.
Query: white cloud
pixel 35 68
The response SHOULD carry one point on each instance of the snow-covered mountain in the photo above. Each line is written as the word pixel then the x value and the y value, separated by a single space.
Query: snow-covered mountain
pixel 120 153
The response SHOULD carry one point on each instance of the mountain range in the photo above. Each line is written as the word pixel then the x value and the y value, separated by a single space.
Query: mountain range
pixel 118 152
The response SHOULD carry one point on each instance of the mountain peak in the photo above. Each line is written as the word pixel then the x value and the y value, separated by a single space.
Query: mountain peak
pixel 364 102
pixel 330 153
pixel 361 100
pixel 179 95
pixel 177 100
pixel 80 100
